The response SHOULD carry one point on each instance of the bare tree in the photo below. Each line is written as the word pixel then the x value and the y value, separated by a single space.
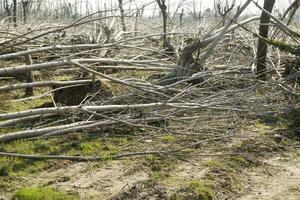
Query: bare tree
pixel 189 63
pixel 295 6
pixel 163 9
pixel 25 4
pixel 181 17
pixel 29 76
pixel 200 11
pixel 224 9
pixel 179 5
pixel 136 22
pixel 15 12
pixel 194 13
pixel 262 48
pixel 122 14
pixel 7 9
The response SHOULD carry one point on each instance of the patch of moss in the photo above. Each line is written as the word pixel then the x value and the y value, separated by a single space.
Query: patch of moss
pixel 259 147
pixel 106 155
pixel 195 190
pixel 42 194
pixel 156 163
pixel 261 127
pixel 4 103
pixel 90 147
pixel 157 176
pixel 82 145
pixel 219 165
pixel 283 46
pixel 229 164
pixel 167 138
pixel 24 105
pixel 7 130
pixel 5 184
pixel 45 147
pixel 10 166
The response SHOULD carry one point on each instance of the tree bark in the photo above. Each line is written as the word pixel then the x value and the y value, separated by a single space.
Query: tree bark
pixel 262 47
pixel 7 10
pixel 293 11
pixel 29 76
pixel 15 12
pixel 122 14
pixel 44 84
pixel 25 4
pixel 181 17
pixel 187 65
pixel 163 9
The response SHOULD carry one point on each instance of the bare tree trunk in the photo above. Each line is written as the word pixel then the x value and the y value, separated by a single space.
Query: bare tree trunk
pixel 181 17
pixel 262 47
pixel 15 12
pixel 224 9
pixel 163 8
pixel 200 11
pixel 293 12
pixel 7 10
pixel 154 11
pixel 29 76
pixel 122 14
pixel 194 10
pixel 136 22
pixel 169 48
pixel 25 4
pixel 188 65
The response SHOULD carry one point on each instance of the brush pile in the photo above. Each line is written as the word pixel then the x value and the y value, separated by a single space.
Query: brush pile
pixel 90 77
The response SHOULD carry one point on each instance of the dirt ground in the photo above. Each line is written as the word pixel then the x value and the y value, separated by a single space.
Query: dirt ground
pixel 281 181
pixel 275 175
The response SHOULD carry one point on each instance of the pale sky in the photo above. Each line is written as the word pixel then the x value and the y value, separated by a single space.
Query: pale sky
pixel 172 4
pixel 188 4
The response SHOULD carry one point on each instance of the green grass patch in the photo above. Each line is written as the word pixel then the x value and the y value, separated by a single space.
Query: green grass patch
pixel 73 145
pixel 230 164
pixel 42 194
pixel 16 166
pixel 167 138
pixel 156 163
pixel 28 104
pixel 7 130
pixel 5 104
pixel 195 190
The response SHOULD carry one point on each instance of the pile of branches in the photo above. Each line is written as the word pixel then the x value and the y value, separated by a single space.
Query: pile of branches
pixel 194 82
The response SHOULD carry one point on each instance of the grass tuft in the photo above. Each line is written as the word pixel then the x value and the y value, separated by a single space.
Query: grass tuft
pixel 42 194
pixel 195 190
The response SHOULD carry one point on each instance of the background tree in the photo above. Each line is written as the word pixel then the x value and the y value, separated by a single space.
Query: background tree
pixel 25 4
pixel 163 9
pixel 224 9
pixel 295 6
pixel 122 15
pixel 7 9
pixel 170 49
pixel 15 12
pixel 262 47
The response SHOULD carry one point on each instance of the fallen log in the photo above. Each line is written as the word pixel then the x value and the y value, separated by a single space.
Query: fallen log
pixel 24 68
pixel 38 132
pixel 74 109
pixel 65 129
pixel 13 122
pixel 44 84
